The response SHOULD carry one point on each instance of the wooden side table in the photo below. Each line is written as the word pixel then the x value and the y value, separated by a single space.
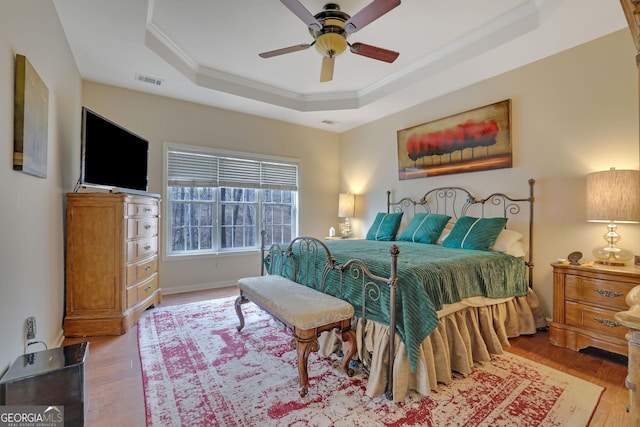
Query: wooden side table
pixel 585 301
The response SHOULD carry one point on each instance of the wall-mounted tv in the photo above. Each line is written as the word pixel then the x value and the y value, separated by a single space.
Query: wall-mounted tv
pixel 111 155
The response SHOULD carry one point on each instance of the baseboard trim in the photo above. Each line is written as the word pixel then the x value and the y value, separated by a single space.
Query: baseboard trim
pixel 59 340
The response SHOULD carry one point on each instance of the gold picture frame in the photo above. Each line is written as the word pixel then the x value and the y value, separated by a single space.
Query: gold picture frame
pixel 31 111
pixel 475 140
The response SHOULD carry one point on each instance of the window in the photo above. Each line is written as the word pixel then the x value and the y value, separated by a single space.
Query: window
pixel 220 201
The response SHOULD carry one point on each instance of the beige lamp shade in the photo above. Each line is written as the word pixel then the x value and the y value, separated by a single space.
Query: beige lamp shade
pixel 613 196
pixel 346 205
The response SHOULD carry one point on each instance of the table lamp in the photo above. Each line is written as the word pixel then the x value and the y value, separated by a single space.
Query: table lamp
pixel 346 209
pixel 613 197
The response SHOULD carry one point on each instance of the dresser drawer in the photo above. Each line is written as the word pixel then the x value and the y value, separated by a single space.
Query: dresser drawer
pixel 137 249
pixel 141 227
pixel 138 293
pixel 147 288
pixel 141 270
pixel 141 209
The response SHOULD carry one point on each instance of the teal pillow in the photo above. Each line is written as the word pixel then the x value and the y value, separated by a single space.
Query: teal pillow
pixel 424 228
pixel 474 233
pixel 385 227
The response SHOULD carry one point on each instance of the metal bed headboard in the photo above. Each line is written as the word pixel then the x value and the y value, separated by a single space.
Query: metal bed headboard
pixel 457 201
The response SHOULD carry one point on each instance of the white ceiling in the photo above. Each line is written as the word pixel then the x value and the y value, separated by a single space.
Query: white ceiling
pixel 206 51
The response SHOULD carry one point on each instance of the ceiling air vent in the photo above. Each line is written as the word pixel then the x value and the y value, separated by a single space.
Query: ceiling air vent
pixel 150 80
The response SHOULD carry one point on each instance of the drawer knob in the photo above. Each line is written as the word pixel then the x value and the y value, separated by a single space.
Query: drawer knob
pixel 146 248
pixel 609 294
pixel 147 289
pixel 147 209
pixel 147 268
pixel 147 226
pixel 607 322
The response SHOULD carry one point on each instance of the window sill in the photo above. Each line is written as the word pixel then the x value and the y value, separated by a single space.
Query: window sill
pixel 210 255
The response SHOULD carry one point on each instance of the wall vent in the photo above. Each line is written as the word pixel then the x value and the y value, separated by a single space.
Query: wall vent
pixel 150 80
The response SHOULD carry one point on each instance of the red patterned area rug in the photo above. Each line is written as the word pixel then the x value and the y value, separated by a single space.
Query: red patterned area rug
pixel 199 371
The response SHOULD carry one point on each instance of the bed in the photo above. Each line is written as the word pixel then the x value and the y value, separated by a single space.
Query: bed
pixel 452 297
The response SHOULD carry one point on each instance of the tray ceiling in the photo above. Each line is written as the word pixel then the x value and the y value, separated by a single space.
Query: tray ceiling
pixel 207 51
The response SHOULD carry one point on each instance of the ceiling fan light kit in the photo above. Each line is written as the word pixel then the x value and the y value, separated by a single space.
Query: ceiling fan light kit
pixel 331 44
pixel 330 29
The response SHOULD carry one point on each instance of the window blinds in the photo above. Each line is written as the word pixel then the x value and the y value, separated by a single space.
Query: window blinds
pixel 195 169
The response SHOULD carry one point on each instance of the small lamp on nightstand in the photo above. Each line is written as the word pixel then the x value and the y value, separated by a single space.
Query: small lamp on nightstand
pixel 613 196
pixel 346 209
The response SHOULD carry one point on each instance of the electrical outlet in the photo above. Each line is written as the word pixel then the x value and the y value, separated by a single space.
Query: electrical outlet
pixel 30 328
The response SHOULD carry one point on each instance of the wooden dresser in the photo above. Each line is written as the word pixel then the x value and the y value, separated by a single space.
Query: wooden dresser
pixel 585 301
pixel 111 262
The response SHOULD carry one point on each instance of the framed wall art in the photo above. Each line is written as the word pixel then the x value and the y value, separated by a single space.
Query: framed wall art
pixel 30 127
pixel 475 140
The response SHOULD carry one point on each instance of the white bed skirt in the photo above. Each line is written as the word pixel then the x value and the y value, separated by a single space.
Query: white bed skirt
pixel 469 334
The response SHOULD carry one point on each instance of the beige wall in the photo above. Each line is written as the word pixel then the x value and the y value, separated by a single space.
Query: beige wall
pixel 573 113
pixel 161 119
pixel 31 211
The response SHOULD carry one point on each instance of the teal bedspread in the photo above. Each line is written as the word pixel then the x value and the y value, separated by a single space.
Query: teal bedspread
pixel 428 277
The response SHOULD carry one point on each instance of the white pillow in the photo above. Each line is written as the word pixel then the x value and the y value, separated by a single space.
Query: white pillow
pixel 510 242
pixel 517 249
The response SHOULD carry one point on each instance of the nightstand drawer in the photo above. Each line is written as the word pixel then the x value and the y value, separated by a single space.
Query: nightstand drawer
pixel 598 319
pixel 595 319
pixel 573 287
pixel 606 292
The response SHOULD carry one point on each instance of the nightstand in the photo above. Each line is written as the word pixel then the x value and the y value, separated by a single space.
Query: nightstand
pixel 585 301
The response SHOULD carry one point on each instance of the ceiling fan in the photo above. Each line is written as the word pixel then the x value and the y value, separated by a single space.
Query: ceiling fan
pixel 330 29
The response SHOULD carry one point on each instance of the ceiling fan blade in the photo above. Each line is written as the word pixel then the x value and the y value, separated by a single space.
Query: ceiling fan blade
pixel 368 14
pixel 284 50
pixel 326 73
pixel 301 12
pixel 374 52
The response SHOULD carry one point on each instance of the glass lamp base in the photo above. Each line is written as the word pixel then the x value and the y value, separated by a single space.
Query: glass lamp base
pixel 612 255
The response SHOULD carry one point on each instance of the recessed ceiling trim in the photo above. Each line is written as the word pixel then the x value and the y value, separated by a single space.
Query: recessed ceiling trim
pixel 210 78
pixel 516 22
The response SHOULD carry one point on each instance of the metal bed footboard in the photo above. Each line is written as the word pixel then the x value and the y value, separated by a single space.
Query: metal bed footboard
pixel 312 252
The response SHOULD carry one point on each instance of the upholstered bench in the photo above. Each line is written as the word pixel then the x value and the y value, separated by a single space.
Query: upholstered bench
pixel 306 312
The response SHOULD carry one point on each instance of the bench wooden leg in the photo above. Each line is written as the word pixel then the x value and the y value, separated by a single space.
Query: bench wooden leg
pixel 348 336
pixel 239 301
pixel 304 347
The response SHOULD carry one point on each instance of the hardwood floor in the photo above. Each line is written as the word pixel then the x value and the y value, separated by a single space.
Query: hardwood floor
pixel 114 383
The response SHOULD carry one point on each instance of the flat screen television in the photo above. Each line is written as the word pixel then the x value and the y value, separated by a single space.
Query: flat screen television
pixel 111 155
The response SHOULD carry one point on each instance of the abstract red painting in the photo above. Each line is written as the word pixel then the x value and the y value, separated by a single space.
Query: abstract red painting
pixel 475 140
